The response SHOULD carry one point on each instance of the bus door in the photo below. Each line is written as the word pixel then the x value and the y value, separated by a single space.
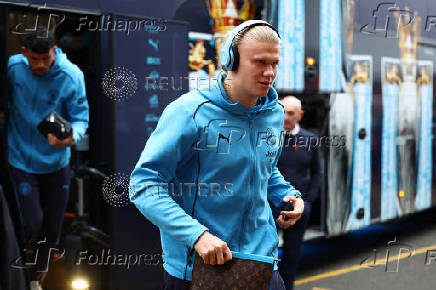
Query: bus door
pixel 149 70
pixel 349 167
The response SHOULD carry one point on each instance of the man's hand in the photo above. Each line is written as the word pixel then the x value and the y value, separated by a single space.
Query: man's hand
pixel 294 215
pixel 212 249
pixel 54 141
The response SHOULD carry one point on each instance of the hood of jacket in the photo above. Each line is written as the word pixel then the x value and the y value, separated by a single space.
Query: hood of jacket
pixel 59 64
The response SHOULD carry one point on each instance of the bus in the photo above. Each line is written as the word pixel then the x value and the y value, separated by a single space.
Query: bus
pixel 363 70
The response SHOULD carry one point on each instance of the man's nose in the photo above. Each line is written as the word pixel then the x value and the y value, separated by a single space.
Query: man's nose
pixel 269 72
pixel 40 64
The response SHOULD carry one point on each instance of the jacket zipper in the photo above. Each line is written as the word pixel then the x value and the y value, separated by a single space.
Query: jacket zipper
pixel 31 130
pixel 253 150
pixel 253 153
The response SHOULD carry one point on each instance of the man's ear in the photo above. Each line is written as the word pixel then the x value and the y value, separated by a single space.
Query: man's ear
pixel 23 50
pixel 301 114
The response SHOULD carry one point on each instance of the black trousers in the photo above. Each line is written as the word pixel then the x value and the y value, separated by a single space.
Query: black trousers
pixel 42 200
pixel 292 242
pixel 174 283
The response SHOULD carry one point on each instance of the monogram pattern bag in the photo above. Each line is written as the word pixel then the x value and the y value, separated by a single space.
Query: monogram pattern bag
pixel 244 271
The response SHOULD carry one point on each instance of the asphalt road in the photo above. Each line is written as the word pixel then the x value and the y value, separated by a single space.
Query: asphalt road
pixel 398 255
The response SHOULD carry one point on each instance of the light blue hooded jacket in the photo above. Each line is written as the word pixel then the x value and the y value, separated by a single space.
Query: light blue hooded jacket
pixel 32 98
pixel 211 165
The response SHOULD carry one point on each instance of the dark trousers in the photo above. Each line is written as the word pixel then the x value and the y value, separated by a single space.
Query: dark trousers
pixel 173 283
pixel 292 241
pixel 42 200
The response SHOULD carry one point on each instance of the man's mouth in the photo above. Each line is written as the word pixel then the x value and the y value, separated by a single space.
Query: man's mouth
pixel 265 84
pixel 39 71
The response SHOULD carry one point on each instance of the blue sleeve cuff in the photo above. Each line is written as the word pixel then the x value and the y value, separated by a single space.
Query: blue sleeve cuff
pixel 194 238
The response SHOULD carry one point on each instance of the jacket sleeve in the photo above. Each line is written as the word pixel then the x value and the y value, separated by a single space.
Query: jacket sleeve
pixel 171 143
pixel 78 109
pixel 278 187
pixel 10 88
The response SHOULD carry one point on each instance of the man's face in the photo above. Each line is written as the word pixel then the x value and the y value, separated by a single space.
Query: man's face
pixel 39 63
pixel 257 69
pixel 293 114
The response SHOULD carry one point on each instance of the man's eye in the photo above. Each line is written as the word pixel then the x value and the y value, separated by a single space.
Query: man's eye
pixel 260 62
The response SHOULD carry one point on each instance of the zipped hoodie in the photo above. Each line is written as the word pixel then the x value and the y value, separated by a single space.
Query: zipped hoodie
pixel 210 165
pixel 32 98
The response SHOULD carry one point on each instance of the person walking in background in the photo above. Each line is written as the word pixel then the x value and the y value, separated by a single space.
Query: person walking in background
pixel 300 165
pixel 42 80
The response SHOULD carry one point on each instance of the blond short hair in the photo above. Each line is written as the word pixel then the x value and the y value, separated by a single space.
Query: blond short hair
pixel 259 32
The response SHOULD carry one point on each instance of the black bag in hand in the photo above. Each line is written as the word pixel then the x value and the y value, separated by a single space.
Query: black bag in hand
pixel 56 125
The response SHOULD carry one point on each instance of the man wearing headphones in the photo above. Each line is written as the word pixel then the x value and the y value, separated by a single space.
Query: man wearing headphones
pixel 216 152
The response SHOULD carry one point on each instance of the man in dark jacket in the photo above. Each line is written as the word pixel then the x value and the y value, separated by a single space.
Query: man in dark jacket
pixel 300 165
